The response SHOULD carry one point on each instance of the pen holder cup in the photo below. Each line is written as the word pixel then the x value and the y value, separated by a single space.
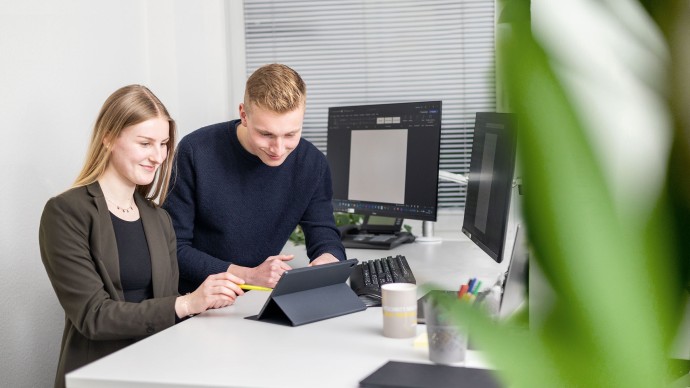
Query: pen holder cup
pixel 447 343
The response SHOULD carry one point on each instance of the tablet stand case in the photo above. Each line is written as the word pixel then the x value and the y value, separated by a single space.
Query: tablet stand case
pixel 311 294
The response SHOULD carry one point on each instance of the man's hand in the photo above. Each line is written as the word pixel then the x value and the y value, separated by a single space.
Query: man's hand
pixel 265 274
pixel 324 259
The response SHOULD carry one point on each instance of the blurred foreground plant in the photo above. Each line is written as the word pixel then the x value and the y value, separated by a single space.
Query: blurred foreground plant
pixel 618 282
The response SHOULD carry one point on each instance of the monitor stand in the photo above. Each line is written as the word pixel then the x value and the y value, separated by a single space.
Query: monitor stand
pixel 428 233
pixel 375 232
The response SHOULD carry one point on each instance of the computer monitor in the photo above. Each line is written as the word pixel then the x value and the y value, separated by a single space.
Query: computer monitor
pixel 490 182
pixel 384 162
pixel 517 277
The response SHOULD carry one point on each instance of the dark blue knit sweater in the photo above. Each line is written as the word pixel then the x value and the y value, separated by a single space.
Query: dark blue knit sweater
pixel 227 206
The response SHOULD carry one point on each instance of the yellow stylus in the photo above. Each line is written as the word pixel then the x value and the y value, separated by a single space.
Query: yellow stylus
pixel 257 288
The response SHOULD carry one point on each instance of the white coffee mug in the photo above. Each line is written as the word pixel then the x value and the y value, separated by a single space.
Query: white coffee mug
pixel 399 305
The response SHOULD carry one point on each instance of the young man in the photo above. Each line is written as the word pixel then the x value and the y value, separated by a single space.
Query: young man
pixel 240 188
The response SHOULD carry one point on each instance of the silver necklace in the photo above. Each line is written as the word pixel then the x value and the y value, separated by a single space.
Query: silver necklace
pixel 125 209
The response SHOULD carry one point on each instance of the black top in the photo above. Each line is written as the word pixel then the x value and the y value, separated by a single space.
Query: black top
pixel 135 259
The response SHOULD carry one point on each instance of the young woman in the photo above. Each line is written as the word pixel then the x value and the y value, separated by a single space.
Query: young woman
pixel 109 249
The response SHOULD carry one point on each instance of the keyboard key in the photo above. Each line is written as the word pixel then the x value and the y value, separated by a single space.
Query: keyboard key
pixel 366 275
pixel 373 273
pixel 387 271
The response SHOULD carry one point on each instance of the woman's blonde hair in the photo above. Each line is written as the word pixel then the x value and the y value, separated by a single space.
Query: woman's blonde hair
pixel 275 87
pixel 127 106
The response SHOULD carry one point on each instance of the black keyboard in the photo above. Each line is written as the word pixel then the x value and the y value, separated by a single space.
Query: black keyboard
pixel 368 277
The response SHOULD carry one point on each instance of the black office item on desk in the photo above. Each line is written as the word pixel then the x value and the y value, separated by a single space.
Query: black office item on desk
pixel 490 182
pixel 311 294
pixel 412 375
pixel 384 162
pixel 420 302
pixel 374 236
pixel 368 277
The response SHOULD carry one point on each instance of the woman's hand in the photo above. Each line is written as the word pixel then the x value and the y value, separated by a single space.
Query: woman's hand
pixel 216 291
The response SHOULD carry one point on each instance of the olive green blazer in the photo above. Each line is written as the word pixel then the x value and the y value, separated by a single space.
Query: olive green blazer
pixel 79 252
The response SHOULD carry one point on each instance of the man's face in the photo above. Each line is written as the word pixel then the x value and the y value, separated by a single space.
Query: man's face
pixel 271 136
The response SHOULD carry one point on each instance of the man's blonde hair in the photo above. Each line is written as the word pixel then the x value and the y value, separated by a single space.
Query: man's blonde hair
pixel 276 88
pixel 127 106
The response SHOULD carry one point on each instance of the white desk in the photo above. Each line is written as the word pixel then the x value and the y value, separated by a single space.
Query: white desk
pixel 221 349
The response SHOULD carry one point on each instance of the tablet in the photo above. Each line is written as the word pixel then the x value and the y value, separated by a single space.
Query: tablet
pixel 310 294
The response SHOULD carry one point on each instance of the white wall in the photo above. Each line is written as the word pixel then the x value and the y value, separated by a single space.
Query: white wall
pixel 59 60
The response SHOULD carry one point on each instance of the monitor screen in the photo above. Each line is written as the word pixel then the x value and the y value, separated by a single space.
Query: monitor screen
pixel 490 182
pixel 384 159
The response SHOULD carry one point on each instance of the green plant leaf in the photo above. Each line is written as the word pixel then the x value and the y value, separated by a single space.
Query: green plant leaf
pixel 297 236
pixel 613 313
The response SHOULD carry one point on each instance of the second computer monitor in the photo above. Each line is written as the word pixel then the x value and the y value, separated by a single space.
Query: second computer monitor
pixel 490 182
pixel 384 159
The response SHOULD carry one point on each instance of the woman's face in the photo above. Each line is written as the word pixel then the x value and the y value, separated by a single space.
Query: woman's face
pixel 139 151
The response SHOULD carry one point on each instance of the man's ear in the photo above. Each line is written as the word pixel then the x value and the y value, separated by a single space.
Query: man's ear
pixel 243 114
